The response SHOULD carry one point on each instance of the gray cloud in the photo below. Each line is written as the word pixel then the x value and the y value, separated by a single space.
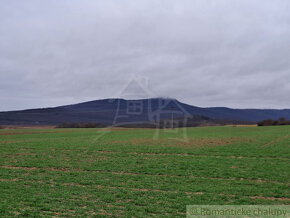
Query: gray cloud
pixel 203 52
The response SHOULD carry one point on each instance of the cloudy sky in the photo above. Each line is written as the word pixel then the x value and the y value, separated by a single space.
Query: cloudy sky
pixel 233 53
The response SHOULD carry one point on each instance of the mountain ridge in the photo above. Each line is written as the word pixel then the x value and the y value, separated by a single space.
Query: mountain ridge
pixel 117 111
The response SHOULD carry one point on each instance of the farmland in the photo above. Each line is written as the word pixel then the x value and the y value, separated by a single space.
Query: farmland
pixel 128 172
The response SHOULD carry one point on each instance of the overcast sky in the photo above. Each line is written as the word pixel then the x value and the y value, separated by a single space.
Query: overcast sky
pixel 205 53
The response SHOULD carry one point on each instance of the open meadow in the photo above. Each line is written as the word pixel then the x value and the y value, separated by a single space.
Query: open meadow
pixel 128 172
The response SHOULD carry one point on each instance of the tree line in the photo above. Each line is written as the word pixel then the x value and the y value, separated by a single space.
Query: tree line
pixel 270 122
pixel 80 125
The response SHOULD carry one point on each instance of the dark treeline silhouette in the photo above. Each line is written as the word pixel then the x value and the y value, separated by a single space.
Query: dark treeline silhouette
pixel 192 121
pixel 80 125
pixel 269 122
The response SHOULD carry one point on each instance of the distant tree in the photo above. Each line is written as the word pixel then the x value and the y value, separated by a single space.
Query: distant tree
pixel 282 121
pixel 269 122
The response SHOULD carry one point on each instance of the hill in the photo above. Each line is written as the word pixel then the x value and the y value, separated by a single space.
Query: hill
pixel 127 112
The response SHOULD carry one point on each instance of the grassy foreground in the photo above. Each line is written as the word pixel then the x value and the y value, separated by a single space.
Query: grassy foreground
pixel 90 172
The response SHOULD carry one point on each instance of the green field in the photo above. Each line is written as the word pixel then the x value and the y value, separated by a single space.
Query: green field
pixel 91 172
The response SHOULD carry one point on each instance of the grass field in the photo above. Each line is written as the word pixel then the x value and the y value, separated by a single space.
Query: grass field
pixel 75 172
